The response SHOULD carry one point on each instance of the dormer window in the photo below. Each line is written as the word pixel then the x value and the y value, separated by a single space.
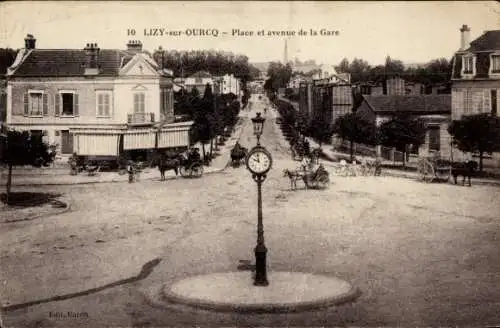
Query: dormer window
pixel 495 63
pixel 468 65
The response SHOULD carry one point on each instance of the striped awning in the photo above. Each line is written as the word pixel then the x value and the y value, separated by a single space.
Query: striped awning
pixel 173 138
pixel 139 140
pixel 96 144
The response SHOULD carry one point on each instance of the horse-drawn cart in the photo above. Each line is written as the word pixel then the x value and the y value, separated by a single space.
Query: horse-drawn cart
pixel 238 154
pixel 191 168
pixel 433 168
pixel 317 179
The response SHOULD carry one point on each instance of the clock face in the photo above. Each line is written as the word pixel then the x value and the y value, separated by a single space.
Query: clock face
pixel 259 162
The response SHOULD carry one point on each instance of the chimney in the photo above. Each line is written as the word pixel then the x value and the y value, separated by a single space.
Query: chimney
pixel 91 59
pixel 134 46
pixel 29 42
pixel 464 37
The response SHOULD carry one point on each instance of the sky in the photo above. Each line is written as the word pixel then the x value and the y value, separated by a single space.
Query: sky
pixel 414 32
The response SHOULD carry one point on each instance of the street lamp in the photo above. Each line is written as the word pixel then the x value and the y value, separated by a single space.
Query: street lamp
pixel 259 162
pixel 258 126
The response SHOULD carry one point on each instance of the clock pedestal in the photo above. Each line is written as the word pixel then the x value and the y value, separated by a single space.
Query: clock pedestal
pixel 260 249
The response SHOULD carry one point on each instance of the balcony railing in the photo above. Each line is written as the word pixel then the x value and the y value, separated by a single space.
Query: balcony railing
pixel 141 118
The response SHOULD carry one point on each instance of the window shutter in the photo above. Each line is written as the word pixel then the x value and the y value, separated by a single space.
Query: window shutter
pixel 45 104
pixel 486 101
pixel 26 104
pixel 57 104
pixel 162 100
pixel 75 104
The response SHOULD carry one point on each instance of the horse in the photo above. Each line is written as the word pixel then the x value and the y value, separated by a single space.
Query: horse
pixel 294 176
pixel 169 161
pixel 465 169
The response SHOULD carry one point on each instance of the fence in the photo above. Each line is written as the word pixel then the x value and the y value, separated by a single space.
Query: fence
pixel 386 153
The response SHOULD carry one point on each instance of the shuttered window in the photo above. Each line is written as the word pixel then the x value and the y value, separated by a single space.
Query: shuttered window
pixel 66 104
pixel 36 103
pixel 103 103
pixel 139 102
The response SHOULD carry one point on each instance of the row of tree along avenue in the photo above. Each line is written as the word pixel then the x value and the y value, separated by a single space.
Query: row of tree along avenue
pixel 478 133
pixel 213 115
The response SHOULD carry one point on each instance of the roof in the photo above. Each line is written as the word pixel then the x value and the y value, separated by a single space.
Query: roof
pixel 201 74
pixel 70 62
pixel 490 40
pixel 410 104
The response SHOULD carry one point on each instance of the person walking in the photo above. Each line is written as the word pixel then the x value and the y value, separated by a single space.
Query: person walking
pixel 130 170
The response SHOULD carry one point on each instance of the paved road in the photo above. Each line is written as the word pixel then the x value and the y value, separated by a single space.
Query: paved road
pixel 422 254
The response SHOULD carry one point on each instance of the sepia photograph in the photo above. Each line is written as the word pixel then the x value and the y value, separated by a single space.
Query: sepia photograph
pixel 249 164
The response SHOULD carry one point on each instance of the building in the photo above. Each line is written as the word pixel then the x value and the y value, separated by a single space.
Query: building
pixel 227 84
pixel 476 77
pixel 92 101
pixel 434 110
pixel 330 100
pixel 198 80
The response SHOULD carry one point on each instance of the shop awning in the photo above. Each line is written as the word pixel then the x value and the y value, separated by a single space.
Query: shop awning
pixel 173 138
pixel 139 140
pixel 96 144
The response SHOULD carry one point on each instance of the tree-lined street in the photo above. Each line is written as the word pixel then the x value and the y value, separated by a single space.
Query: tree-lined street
pixel 422 254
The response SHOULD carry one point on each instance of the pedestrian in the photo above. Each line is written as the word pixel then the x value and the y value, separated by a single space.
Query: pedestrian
pixel 130 170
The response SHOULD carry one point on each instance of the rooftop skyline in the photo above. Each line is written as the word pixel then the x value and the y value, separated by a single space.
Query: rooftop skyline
pixel 414 32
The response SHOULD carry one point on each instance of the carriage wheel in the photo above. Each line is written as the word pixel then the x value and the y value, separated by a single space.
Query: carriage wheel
pixel 428 174
pixel 183 171
pixel 196 170
pixel 323 181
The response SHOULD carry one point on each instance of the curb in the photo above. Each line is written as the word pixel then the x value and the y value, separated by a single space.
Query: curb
pixel 172 298
pixel 219 170
pixel 62 211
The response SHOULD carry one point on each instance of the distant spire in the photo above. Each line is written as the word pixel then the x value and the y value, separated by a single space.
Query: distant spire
pixel 285 57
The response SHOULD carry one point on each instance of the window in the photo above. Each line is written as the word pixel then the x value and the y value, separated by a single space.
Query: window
pixel 468 65
pixel 166 100
pixel 495 64
pixel 66 103
pixel 35 103
pixel 494 102
pixel 434 138
pixel 104 105
pixel 139 102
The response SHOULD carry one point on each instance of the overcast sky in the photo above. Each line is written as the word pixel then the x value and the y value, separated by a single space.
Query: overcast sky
pixel 414 32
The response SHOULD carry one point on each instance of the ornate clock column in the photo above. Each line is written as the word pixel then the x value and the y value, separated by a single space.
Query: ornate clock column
pixel 260 249
pixel 259 162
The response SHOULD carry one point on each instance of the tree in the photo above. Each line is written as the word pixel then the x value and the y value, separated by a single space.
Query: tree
pixel 302 123
pixel 402 131
pixel 343 67
pixel 476 133
pixel 353 128
pixel 7 57
pixel 393 66
pixel 321 130
pixel 23 149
